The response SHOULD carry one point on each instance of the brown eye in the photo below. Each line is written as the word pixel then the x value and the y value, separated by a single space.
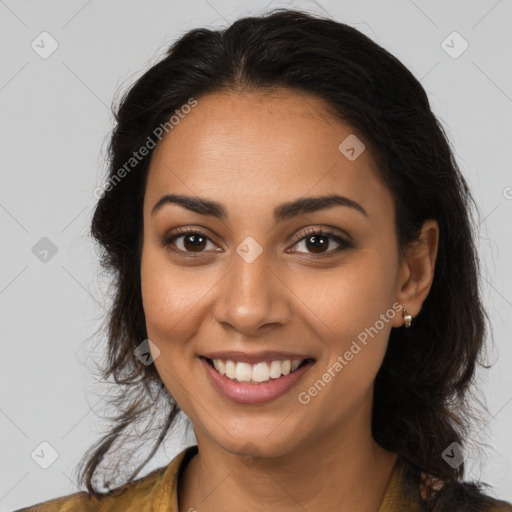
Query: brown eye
pixel 189 241
pixel 317 242
pixel 194 242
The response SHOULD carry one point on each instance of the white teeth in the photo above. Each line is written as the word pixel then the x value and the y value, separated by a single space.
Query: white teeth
pixel 275 369
pixel 259 372
pixel 243 372
pixel 230 369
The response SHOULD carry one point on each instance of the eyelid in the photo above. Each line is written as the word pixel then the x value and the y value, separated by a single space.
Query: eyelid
pixel 167 239
pixel 345 241
pixel 326 230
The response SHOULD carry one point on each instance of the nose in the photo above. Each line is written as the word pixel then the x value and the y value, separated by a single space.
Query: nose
pixel 252 296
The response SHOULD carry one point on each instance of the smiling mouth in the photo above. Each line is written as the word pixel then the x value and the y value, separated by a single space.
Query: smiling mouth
pixel 259 373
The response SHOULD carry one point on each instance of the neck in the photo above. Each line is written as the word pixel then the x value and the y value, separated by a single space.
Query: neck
pixel 342 473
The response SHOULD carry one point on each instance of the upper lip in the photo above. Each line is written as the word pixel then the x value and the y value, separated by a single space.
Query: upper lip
pixel 255 357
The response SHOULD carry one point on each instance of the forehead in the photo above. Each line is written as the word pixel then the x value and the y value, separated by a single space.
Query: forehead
pixel 262 149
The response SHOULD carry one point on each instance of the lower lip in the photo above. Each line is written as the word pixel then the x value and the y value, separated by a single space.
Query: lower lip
pixel 245 393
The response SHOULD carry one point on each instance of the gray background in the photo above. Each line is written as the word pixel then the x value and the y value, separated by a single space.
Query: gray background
pixel 54 123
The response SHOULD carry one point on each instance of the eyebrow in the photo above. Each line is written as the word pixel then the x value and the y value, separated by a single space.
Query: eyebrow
pixel 283 212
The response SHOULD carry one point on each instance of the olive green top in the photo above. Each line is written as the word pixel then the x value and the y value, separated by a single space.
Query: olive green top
pixel 158 492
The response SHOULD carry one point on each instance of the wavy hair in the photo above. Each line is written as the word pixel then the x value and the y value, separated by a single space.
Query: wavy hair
pixel 421 393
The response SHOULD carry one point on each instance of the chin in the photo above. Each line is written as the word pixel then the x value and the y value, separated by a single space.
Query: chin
pixel 256 447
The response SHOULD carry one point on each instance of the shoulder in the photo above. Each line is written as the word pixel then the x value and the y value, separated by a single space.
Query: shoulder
pixel 422 492
pixel 500 506
pixel 79 502
pixel 131 496
pixel 469 496
pixel 463 496
pixel 157 488
pixel 486 504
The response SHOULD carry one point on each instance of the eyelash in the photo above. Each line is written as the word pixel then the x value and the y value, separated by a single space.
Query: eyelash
pixel 344 244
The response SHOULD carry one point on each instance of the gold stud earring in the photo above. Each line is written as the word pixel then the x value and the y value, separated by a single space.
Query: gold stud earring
pixel 407 318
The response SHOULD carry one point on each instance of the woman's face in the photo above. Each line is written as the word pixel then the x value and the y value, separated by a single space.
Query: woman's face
pixel 254 280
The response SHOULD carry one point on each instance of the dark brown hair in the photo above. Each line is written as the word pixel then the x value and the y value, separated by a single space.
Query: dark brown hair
pixel 421 390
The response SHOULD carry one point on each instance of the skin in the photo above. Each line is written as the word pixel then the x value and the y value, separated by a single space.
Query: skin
pixel 251 152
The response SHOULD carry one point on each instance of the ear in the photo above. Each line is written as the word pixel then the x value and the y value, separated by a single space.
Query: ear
pixel 416 272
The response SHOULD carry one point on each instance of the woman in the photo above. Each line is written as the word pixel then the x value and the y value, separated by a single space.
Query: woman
pixel 296 271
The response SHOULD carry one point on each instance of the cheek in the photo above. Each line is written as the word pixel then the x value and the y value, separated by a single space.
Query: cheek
pixel 354 304
pixel 170 295
pixel 170 301
pixel 352 296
